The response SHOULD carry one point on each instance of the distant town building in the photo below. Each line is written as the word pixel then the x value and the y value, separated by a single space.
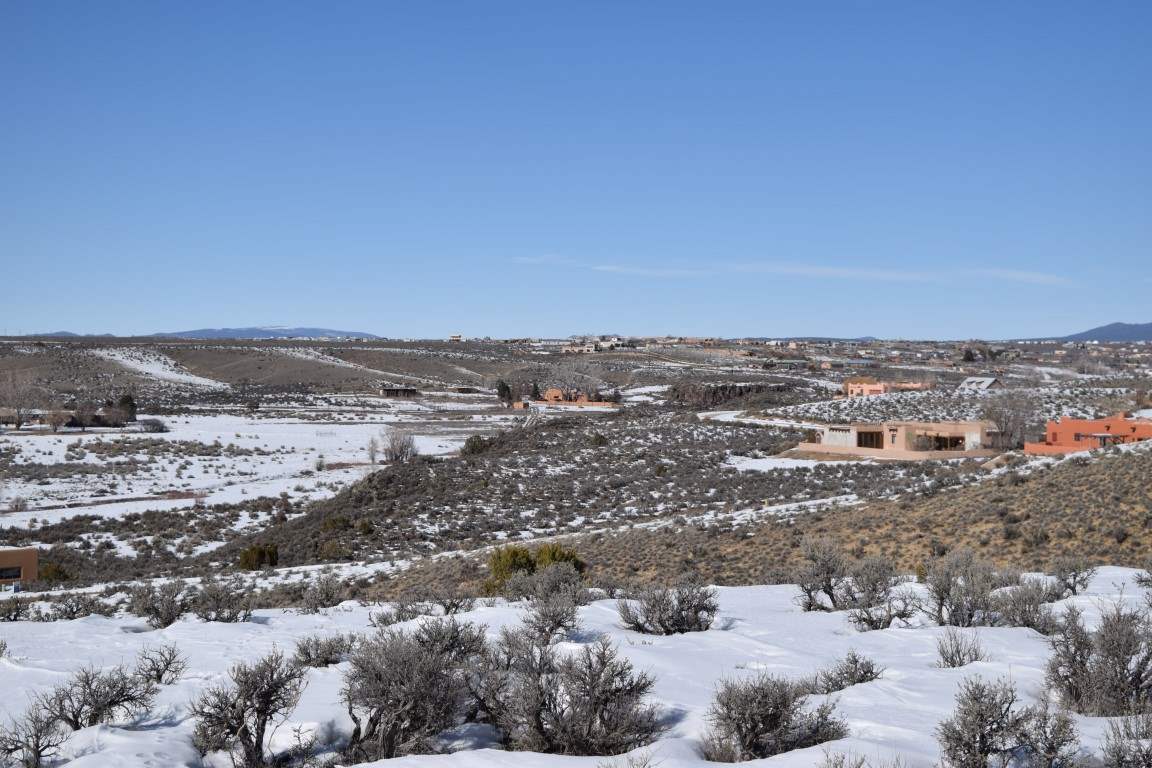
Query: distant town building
pixel 867 387
pixel 980 383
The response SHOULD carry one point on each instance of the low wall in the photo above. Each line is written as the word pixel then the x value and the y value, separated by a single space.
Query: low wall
pixel 894 454
pixel 1044 449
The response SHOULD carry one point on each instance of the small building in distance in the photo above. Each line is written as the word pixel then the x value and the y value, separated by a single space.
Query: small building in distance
pixel 865 386
pixel 399 392
pixel 18 565
pixel 559 397
pixel 1071 435
pixel 980 384
pixel 905 440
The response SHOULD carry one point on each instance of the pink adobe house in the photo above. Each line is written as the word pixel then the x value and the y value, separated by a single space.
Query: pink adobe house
pixel 866 387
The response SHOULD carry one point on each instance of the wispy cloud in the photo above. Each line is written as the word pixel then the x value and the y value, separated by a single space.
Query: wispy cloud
pixel 813 271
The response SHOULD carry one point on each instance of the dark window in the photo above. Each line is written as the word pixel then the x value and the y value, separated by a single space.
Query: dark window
pixel 11 573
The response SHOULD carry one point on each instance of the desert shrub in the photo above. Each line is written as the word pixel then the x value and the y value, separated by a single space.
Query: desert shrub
pixel 16 609
pixel 513 559
pixel 162 606
pixel 587 703
pixel 956 648
pixel 876 600
pixel 551 616
pixel 91 697
pixel 451 601
pixel 3 647
pixel 323 650
pixel 986 723
pixel 853 669
pixel 1072 572
pixel 765 716
pixel 960 589
pixel 399 447
pixel 823 576
pixel 162 665
pixel 1107 672
pixel 506 561
pixel 76 605
pixel 852 760
pixel 686 607
pixel 1024 605
pixel 153 426
pixel 406 608
pixel 1128 742
pixel 259 556
pixel 224 601
pixel 32 739
pixel 402 689
pixel 325 592
pixel 475 445
pixel 234 717
pixel 557 577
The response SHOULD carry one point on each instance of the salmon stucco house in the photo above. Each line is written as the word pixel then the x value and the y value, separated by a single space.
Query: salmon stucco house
pixel 1071 435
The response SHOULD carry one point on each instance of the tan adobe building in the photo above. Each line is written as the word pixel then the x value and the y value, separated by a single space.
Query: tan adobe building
pixel 19 565
pixel 906 440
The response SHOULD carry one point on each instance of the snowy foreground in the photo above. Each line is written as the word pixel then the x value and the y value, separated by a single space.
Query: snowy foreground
pixel 758 629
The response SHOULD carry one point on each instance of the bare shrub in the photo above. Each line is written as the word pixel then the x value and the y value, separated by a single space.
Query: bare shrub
pixel 452 601
pixel 589 703
pixel 823 575
pixel 323 650
pixel 154 426
pixel 1073 572
pixel 686 607
pixel 325 592
pixel 77 605
pixel 960 589
pixel 765 716
pixel 1024 605
pixel 552 616
pixel 1108 672
pixel 558 577
pixel 402 689
pixel 399 447
pixel 16 609
pixel 852 760
pixel 32 739
pixel 986 723
pixel 853 669
pixel 876 600
pixel 234 717
pixel 162 606
pixel 224 601
pixel 3 647
pixel 1128 742
pixel 91 697
pixel 405 609
pixel 162 665
pixel 956 648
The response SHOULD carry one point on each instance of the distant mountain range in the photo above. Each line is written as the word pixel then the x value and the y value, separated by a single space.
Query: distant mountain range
pixel 266 333
pixel 232 333
pixel 1114 332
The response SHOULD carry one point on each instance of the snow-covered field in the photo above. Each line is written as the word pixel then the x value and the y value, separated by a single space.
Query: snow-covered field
pixel 759 629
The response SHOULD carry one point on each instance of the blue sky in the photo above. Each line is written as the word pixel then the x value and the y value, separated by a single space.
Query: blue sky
pixel 419 169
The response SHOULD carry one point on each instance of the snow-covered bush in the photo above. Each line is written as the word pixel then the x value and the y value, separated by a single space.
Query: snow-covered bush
pixel 76 605
pixel 162 606
pixel 235 717
pixel 406 608
pixel 877 600
pixel 401 689
pixel 323 650
pixel 588 703
pixel 1073 572
pixel 551 616
pixel 765 716
pixel 960 589
pixel 1025 605
pixel 1107 672
pixel 686 607
pixel 162 665
pixel 32 739
pixel 1128 742
pixel 16 609
pixel 91 697
pixel 823 577
pixel 224 601
pixel 325 592
pixel 853 669
pixel 987 723
pixel 561 576
pixel 957 648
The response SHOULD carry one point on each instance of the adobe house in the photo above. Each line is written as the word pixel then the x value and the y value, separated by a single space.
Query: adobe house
pixel 906 440
pixel 557 396
pixel 1071 435
pixel 865 386
pixel 19 565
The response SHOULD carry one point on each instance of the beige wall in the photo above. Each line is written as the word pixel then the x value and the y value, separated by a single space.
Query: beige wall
pixel 27 560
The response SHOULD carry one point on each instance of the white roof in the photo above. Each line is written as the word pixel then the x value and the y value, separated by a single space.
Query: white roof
pixel 978 382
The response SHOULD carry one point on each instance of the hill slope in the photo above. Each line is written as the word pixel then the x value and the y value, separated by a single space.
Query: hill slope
pixel 1114 332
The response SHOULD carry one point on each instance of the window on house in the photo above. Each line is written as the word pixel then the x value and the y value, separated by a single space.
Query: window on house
pixel 11 573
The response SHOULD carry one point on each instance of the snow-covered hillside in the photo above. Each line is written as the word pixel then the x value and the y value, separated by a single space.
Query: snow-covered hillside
pixel 759 629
